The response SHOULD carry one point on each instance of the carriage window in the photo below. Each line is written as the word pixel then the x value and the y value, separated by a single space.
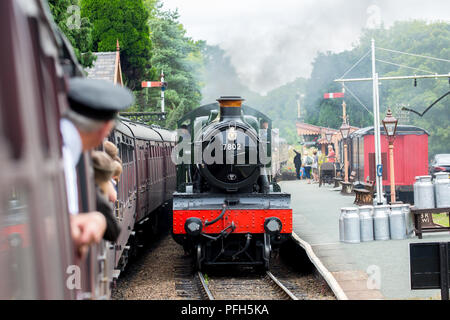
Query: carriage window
pixel 130 154
pixel 119 154
pixel 124 153
pixel 10 116
pixel 17 258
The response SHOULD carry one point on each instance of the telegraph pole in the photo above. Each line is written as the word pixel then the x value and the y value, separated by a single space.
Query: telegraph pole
pixel 376 125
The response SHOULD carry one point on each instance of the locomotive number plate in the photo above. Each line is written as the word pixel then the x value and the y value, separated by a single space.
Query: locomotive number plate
pixel 232 146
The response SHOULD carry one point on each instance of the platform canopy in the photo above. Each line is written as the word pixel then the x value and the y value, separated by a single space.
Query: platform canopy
pixel 306 129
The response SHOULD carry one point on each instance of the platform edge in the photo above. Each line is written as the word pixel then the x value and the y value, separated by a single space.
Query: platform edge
pixel 329 278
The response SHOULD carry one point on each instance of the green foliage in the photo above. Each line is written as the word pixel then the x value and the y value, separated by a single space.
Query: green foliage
pixel 126 21
pixel 180 58
pixel 76 28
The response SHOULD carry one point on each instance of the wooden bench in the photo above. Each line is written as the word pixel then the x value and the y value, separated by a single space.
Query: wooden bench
pixel 347 187
pixel 365 196
pixel 337 181
pixel 338 178
pixel 423 220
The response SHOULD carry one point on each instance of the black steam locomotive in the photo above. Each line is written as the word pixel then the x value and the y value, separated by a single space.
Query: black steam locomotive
pixel 227 208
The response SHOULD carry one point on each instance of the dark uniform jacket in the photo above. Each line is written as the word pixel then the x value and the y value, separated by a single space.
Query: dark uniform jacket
pixel 297 159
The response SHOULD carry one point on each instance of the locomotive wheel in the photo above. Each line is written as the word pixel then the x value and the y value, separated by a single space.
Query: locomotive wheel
pixel 267 250
pixel 199 258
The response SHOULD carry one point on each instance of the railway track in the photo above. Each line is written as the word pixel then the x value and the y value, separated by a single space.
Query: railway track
pixel 267 286
pixel 164 272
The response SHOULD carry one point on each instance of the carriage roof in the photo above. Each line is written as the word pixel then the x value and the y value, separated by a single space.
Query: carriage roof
pixel 401 130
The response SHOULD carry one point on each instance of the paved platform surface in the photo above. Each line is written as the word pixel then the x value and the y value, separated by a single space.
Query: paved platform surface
pixel 368 270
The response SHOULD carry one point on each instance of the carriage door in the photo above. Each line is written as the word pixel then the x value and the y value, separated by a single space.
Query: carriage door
pixel 147 174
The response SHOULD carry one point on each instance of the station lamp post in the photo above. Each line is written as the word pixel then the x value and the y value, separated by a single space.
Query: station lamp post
pixel 329 136
pixel 390 126
pixel 345 130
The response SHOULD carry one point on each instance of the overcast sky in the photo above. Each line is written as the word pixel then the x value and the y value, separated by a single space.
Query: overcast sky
pixel 273 42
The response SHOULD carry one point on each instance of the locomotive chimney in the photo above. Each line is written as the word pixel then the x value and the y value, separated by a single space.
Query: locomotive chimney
pixel 230 107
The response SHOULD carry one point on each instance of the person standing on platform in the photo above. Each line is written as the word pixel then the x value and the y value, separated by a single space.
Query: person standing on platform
pixel 308 164
pixel 315 167
pixel 331 154
pixel 297 163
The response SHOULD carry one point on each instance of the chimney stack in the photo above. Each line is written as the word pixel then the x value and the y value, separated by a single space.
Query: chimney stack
pixel 230 107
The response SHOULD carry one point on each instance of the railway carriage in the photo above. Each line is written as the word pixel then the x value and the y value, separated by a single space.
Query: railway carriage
pixel 410 158
pixel 37 259
pixel 145 186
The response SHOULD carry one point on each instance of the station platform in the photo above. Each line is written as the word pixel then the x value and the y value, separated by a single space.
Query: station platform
pixel 363 271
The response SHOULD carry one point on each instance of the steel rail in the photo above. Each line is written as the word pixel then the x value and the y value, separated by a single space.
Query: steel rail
pixel 276 282
pixel 269 277
pixel 204 287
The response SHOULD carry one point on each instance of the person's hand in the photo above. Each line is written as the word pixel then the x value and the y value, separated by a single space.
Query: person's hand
pixel 87 229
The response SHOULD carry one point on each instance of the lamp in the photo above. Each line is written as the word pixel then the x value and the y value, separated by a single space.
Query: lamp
pixel 345 130
pixel 390 124
pixel 329 135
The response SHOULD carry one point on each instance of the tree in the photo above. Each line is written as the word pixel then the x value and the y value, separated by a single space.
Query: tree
pixel 180 58
pixel 76 28
pixel 126 21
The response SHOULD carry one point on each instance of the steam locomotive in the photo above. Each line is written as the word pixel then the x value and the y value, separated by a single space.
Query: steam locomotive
pixel 228 209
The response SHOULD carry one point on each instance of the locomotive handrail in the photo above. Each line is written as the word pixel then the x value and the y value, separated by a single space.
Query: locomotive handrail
pixel 218 218
pixel 222 233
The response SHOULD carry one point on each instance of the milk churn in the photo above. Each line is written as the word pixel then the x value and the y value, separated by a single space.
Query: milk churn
pixel 442 190
pixel 366 223
pixel 381 222
pixel 397 223
pixel 409 219
pixel 351 226
pixel 426 193
pixel 416 192
pixel 341 224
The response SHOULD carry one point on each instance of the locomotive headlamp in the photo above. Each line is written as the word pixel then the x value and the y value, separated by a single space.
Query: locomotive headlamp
pixel 193 226
pixel 231 135
pixel 273 225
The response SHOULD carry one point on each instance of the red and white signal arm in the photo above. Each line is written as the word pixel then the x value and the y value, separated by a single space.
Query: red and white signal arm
pixel 151 84
pixel 333 95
